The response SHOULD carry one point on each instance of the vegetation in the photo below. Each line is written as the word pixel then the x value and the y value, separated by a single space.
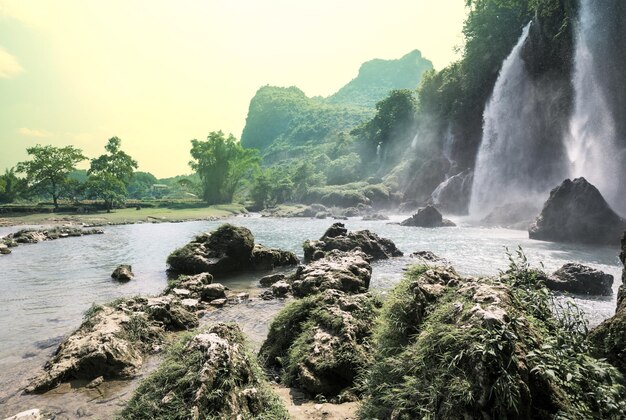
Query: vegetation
pixel 49 168
pixel 11 187
pixel 221 163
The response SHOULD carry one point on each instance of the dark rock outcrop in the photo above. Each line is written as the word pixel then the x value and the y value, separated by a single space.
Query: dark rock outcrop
pixel 577 212
pixel 337 237
pixel 428 217
pixel 609 338
pixel 321 343
pixel 123 272
pixel 227 250
pixel 267 281
pixel 580 279
pixel 346 271
pixel 210 376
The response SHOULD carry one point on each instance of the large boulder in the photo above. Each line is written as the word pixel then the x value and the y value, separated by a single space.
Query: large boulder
pixel 123 272
pixel 428 217
pixel 322 342
pixel 489 348
pixel 226 250
pixel 338 237
pixel 580 279
pixel 208 376
pixel 346 271
pixel 577 212
pixel 609 338
pixel 453 194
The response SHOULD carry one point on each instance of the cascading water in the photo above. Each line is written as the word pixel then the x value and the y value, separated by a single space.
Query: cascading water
pixel 516 160
pixel 593 145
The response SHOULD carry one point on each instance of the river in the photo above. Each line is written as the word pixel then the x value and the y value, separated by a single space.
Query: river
pixel 46 287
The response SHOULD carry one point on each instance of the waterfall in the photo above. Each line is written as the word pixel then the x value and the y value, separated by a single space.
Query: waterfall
pixel 517 159
pixel 593 144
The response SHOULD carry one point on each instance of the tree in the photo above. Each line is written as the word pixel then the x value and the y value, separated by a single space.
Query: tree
pixel 11 187
pixel 221 163
pixel 110 174
pixel 140 185
pixel 49 168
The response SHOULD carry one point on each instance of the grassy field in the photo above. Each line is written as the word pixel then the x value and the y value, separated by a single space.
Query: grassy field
pixel 122 216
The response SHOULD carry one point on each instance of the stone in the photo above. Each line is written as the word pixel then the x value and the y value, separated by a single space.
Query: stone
pixel 213 291
pixel 33 414
pixel 577 212
pixel 264 258
pixel 580 279
pixel 4 250
pixel 428 217
pixel 375 216
pixel 267 281
pixel 123 272
pixel 218 302
pixel 346 271
pixel 95 383
pixel 193 284
pixel 280 288
pixel 337 237
pixel 453 194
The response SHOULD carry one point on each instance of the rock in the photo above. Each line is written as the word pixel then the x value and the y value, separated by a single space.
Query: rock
pixel 218 303
pixel 609 338
pixel 215 378
pixel 580 279
pixel 429 258
pixel 213 291
pixel 337 237
pixel 453 194
pixel 227 250
pixel 267 281
pixel 102 346
pixel 351 212
pixel 123 272
pixel 428 217
pixel 322 215
pixel 33 414
pixel 322 342
pixel 264 258
pixel 425 179
pixel 577 212
pixel 346 271
pixel 95 383
pixel 191 304
pixel 4 250
pixel 375 216
pixel 518 215
pixel 280 288
pixel 172 315
pixel 193 284
pixel 441 329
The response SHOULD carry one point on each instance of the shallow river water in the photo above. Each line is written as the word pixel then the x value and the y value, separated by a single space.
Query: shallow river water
pixel 45 288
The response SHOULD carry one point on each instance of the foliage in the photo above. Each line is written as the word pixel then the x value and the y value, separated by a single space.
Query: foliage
pixel 140 185
pixel 221 163
pixel 344 169
pixel 110 174
pixel 49 168
pixel 11 187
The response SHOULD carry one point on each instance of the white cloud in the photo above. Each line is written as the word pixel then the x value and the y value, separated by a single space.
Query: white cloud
pixel 9 66
pixel 30 132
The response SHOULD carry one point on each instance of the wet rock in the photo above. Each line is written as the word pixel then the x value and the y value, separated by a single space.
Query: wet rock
pixel 337 237
pixel 428 217
pixel 577 212
pixel 213 291
pixel 320 343
pixel 4 249
pixel 172 315
pixel 215 377
pixel 102 346
pixel 375 216
pixel 518 215
pixel 580 279
pixel 453 194
pixel 346 271
pixel 322 215
pixel 33 414
pixel 218 303
pixel 33 236
pixel 280 288
pixel 428 257
pixel 609 338
pixel 193 284
pixel 228 249
pixel 123 272
pixel 267 281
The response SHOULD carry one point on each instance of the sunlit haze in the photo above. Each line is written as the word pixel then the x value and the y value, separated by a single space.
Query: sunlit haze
pixel 159 73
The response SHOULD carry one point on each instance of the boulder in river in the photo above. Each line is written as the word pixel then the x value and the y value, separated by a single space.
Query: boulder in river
pixel 577 212
pixel 123 272
pixel 337 237
pixel 580 279
pixel 346 271
pixel 227 250
pixel 211 375
pixel 322 342
pixel 428 217
pixel 609 338
pixel 4 250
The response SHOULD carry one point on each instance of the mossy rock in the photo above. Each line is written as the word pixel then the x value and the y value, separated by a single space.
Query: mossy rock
pixel 210 375
pixel 321 343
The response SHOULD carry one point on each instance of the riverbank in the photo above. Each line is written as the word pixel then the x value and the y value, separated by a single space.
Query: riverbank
pixel 124 216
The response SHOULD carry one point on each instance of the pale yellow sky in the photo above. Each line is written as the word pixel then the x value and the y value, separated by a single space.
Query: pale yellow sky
pixel 159 73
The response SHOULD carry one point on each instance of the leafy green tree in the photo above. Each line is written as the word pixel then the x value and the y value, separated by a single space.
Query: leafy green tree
pixel 110 174
pixel 11 187
pixel 261 189
pixel 49 168
pixel 344 169
pixel 221 163
pixel 140 185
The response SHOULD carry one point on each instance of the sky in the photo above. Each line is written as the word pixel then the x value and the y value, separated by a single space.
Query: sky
pixel 159 73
